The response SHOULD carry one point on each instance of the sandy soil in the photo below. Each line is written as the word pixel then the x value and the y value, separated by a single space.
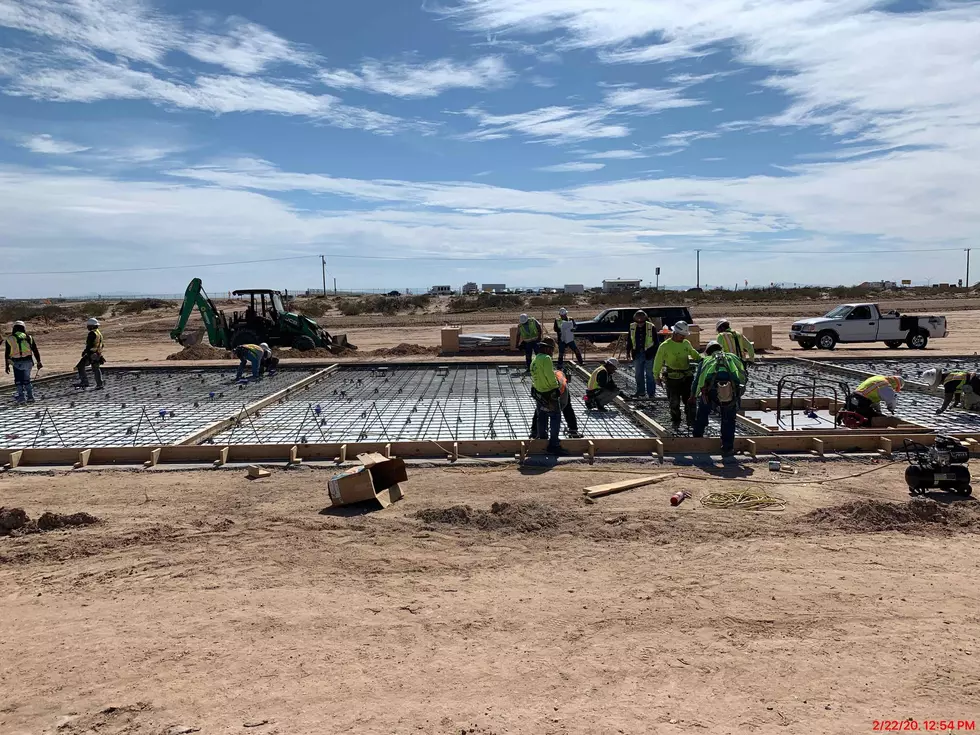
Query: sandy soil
pixel 203 603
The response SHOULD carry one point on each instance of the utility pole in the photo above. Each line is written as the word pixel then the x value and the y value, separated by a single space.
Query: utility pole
pixel 699 267
pixel 967 281
pixel 323 268
pixel 334 286
pixel 658 278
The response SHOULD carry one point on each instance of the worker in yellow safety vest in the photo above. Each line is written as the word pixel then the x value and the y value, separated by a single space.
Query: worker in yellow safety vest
pixel 602 389
pixel 254 354
pixel 734 343
pixel 92 356
pixel 20 352
pixel 528 335
pixel 871 393
pixel 675 363
pixel 546 390
pixel 958 386
pixel 641 347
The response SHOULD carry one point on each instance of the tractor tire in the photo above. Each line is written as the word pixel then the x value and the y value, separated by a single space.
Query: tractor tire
pixel 826 340
pixel 245 337
pixel 807 344
pixel 917 341
pixel 893 344
pixel 304 343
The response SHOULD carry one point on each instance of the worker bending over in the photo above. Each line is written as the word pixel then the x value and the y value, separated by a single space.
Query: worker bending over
pixel 734 343
pixel 958 386
pixel 719 382
pixel 567 409
pixel 92 355
pixel 674 369
pixel 641 347
pixel 20 352
pixel 602 389
pixel 528 335
pixel 546 391
pixel 565 330
pixel 253 354
pixel 867 398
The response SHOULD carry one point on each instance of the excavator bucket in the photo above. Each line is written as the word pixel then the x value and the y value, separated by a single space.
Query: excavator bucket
pixel 189 339
pixel 339 343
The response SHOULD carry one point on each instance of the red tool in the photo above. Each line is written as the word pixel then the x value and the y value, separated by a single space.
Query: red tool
pixel 678 498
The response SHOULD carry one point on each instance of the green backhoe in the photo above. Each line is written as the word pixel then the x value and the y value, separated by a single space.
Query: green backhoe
pixel 265 319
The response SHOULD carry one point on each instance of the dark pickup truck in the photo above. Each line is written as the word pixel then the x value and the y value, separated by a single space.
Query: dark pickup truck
pixel 612 323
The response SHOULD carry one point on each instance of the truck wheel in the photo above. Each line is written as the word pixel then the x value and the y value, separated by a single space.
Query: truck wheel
pixel 826 340
pixel 245 337
pixel 893 344
pixel 917 341
pixel 807 344
pixel 304 343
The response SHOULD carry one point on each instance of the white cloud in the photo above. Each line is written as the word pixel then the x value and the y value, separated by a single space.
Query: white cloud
pixel 685 138
pixel 44 143
pixel 656 53
pixel 551 124
pixel 573 166
pixel 616 154
pixel 428 79
pixel 649 100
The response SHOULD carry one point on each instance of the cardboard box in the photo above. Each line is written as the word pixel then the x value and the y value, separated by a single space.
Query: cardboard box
pixel 695 337
pixel 376 480
pixel 514 331
pixel 450 339
pixel 761 337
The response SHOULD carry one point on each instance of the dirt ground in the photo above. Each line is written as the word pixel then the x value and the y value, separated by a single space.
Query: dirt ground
pixel 145 338
pixel 204 603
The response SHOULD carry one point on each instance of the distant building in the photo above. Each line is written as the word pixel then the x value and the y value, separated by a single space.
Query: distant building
pixel 879 284
pixel 621 284
pixel 470 287
pixel 441 290
pixel 494 287
pixel 574 288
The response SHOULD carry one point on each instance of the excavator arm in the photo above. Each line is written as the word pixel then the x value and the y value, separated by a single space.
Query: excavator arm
pixel 195 296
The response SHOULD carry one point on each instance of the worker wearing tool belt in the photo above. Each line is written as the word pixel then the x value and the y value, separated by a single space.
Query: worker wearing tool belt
pixel 734 343
pixel 546 391
pixel 602 389
pixel 20 352
pixel 719 383
pixel 92 355
pixel 868 397
pixel 528 335
pixel 958 386
pixel 641 347
pixel 567 409
pixel 674 370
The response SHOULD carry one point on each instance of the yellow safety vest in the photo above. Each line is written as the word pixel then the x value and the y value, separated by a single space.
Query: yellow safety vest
pixel 870 387
pixel 594 378
pixel 731 342
pixel 958 379
pixel 650 328
pixel 20 346
pixel 254 349
pixel 543 376
pixel 529 330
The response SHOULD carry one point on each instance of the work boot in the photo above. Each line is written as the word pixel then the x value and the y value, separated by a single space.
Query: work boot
pixel 675 426
pixel 30 399
pixel 558 451
pixel 100 387
pixel 727 452
pixel 80 386
pixel 575 435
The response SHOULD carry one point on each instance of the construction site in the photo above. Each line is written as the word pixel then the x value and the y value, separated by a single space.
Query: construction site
pixel 182 550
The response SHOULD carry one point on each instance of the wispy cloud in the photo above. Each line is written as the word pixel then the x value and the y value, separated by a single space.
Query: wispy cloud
pixel 649 100
pixel 621 154
pixel 685 138
pixel 573 166
pixel 428 79
pixel 44 143
pixel 550 124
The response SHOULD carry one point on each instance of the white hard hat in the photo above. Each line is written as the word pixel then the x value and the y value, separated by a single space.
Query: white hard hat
pixel 709 347
pixel 523 319
pixel 265 348
pixel 93 322
pixel 21 324
pixel 612 362
pixel 563 311
pixel 933 377
pixel 722 323
pixel 681 328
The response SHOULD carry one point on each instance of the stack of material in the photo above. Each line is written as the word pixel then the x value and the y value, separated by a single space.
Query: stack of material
pixel 484 341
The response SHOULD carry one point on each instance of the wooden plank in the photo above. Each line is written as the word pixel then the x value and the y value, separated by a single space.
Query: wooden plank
pixel 455 452
pixel 751 447
pixel 658 444
pixel 256 473
pixel 14 459
pixel 343 454
pixel 523 453
pixel 154 457
pixel 294 457
pixel 83 458
pixel 818 446
pixel 885 446
pixel 387 451
pixel 598 491
pixel 590 453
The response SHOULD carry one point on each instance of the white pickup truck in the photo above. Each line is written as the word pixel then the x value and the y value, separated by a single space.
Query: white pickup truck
pixel 867 323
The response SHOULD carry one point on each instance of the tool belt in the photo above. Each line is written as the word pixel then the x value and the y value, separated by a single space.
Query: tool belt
pixel 678 374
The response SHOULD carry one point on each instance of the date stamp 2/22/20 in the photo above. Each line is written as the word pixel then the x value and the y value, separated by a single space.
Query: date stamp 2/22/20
pixel 910 725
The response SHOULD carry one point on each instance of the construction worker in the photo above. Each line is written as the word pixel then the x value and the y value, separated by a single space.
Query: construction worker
pixel 565 331
pixel 867 398
pixel 269 362
pixel 602 389
pixel 641 347
pixel 547 395
pixel 528 335
pixel 734 343
pixel 92 355
pixel 20 352
pixel 250 354
pixel 718 384
pixel 674 368
pixel 567 409
pixel 958 386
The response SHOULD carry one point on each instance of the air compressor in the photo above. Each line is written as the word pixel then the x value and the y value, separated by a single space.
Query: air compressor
pixel 941 466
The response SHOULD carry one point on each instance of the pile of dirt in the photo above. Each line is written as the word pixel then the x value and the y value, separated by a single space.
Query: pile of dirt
pixel 15 521
pixel 200 352
pixel 404 350
pixel 916 515
pixel 526 517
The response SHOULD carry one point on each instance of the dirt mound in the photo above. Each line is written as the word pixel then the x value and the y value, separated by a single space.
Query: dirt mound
pixel 526 517
pixel 200 352
pixel 877 515
pixel 404 350
pixel 14 521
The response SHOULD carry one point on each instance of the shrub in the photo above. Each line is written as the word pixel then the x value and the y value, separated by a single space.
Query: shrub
pixel 484 301
pixel 139 306
pixel 93 308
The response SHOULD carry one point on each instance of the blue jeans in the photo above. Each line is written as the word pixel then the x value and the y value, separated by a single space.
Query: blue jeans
pixel 726 414
pixel 22 378
pixel 549 427
pixel 574 348
pixel 644 370
pixel 528 353
pixel 255 360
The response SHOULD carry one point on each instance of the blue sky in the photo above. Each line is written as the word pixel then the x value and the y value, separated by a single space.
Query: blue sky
pixel 529 143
